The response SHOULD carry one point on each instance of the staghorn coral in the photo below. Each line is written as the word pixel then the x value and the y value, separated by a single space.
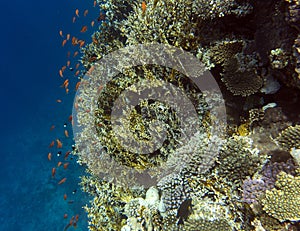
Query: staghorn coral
pixel 283 202
pixel 289 138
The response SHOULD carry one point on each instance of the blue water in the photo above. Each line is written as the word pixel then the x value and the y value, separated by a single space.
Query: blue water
pixel 31 55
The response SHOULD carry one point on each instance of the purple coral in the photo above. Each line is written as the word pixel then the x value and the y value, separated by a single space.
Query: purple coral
pixel 254 188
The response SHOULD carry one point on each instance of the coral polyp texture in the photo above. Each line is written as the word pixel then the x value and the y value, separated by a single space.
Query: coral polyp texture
pixel 242 177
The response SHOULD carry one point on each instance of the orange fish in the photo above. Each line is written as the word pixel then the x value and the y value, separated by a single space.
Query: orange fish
pixel 83 29
pixel 53 172
pixel 59 164
pixel 66 133
pixel 74 41
pixel 68 54
pixel 52 127
pixel 58 101
pixel 66 165
pixel 60 72
pixel 67 90
pixel 63 68
pixel 51 144
pixel 144 7
pixel 70 118
pixel 90 71
pixel 77 12
pixel 62 181
pixel 66 83
pixel 75 54
pixel 85 13
pixel 59 143
pixel 68 63
pixel 77 73
pixel 50 155
pixel 77 86
pixel 65 216
pixel 95 3
pixel 92 23
pixel 61 33
pixel 65 196
pixel 74 19
pixel 95 40
pixel 68 36
pixel 64 42
pixel 76 217
pixel 67 154
pixel 77 65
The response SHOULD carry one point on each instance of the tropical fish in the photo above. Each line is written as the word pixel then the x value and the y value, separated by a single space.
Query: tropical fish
pixel 59 163
pixel 77 86
pixel 84 29
pixel 63 42
pixel 65 216
pixel 68 36
pixel 77 12
pixel 63 180
pixel 75 54
pixel 66 133
pixel 52 127
pixel 50 155
pixel 66 165
pixel 61 33
pixel 60 72
pixel 53 172
pixel 51 145
pixel 144 7
pixel 85 13
pixel 58 101
pixel 92 23
pixel 65 196
pixel 59 143
pixel 67 154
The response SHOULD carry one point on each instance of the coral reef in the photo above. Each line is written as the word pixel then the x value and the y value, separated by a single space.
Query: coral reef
pixel 249 179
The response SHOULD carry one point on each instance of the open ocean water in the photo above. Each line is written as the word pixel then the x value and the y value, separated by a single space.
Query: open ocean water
pixel 31 56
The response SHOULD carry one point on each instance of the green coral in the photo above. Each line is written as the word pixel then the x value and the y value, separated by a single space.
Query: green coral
pixel 283 202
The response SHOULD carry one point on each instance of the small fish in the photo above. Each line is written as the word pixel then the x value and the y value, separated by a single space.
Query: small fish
pixel 74 19
pixel 95 40
pixel 75 54
pixel 52 127
pixel 84 29
pixel 77 85
pixel 61 33
pixel 70 117
pixel 58 101
pixel 63 180
pixel 51 144
pixel 68 54
pixel 66 165
pixel 67 154
pixel 77 65
pixel 59 164
pixel 68 63
pixel 60 72
pixel 65 216
pixel 63 68
pixel 77 12
pixel 95 3
pixel 92 23
pixel 66 133
pixel 81 43
pixel 77 73
pixel 65 84
pixel 67 90
pixel 74 41
pixel 59 143
pixel 101 17
pixel 63 42
pixel 76 217
pixel 85 13
pixel 65 196
pixel 50 155
pixel 53 172
pixel 68 36
pixel 144 8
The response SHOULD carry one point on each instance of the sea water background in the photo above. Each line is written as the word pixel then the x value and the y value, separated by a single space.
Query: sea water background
pixel 30 198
